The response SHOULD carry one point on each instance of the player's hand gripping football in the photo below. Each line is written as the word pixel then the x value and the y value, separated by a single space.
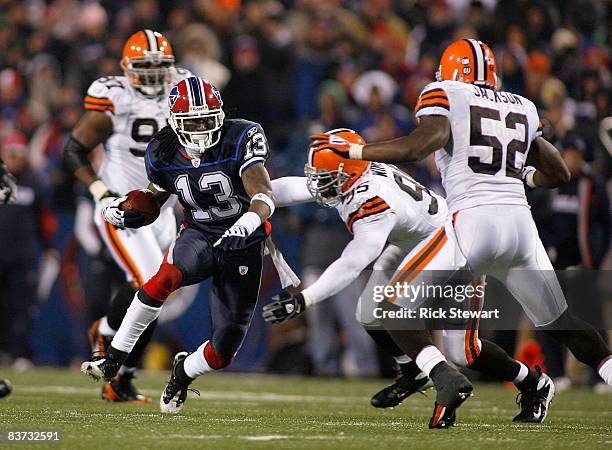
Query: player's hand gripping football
pixel 113 214
pixel 284 306
pixel 337 144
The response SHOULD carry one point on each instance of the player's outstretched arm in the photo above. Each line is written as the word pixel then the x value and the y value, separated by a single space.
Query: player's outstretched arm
pixel 550 169
pixel 92 129
pixel 290 191
pixel 432 133
pixel 257 185
pixel 368 243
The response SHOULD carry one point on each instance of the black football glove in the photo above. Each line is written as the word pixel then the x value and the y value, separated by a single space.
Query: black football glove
pixel 284 306
pixel 8 186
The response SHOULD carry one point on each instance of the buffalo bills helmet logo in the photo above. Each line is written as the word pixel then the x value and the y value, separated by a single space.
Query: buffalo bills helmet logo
pixel 174 95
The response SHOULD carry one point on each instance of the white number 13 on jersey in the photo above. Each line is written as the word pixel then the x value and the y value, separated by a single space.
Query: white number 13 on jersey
pixel 227 205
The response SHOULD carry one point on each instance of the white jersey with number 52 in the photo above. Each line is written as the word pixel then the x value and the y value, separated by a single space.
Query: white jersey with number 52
pixel 136 118
pixel 491 135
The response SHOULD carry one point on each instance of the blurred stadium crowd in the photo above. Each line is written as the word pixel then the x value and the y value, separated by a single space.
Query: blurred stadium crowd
pixel 296 67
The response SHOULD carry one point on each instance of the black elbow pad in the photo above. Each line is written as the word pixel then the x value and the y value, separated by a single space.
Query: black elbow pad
pixel 76 155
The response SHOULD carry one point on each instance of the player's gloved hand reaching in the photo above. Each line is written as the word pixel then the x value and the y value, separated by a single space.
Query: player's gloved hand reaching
pixel 113 214
pixel 8 185
pixel 337 144
pixel 235 237
pixel 284 306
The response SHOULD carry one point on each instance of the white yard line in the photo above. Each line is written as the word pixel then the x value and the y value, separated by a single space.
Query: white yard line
pixel 204 395
pixel 245 396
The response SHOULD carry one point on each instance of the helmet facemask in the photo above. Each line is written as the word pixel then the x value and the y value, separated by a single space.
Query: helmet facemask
pixel 151 74
pixel 198 131
pixel 326 185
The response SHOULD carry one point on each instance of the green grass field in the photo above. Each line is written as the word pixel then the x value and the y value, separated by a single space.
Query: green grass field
pixel 260 411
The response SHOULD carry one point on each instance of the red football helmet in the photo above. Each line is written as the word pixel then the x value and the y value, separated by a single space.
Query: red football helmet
pixel 147 62
pixel 469 61
pixel 330 176
pixel 196 114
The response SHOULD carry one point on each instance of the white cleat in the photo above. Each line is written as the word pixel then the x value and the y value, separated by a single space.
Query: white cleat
pixel 92 369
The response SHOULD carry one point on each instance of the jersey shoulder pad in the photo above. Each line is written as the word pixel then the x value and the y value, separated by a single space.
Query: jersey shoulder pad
pixel 105 94
pixel 251 143
pixel 364 202
pixel 433 100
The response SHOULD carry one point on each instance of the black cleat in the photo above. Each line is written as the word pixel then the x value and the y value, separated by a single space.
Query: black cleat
pixel 121 389
pixel 396 393
pixel 453 388
pixel 534 402
pixel 175 394
pixel 104 367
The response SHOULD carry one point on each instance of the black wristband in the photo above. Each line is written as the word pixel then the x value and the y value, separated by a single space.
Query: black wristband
pixel 76 155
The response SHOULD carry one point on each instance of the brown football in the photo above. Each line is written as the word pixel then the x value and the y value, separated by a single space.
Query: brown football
pixel 143 201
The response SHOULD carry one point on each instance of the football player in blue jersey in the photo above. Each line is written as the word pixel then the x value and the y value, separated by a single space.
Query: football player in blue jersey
pixel 216 168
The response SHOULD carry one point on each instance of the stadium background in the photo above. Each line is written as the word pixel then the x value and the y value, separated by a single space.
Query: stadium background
pixel 295 67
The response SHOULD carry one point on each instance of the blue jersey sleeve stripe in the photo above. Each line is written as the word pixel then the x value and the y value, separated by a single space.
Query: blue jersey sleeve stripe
pixel 249 163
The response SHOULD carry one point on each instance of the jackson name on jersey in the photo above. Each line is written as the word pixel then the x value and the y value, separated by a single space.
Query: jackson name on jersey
pixel 136 118
pixel 383 189
pixel 491 135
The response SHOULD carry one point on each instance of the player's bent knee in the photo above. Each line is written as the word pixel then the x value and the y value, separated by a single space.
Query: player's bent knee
pixel 167 280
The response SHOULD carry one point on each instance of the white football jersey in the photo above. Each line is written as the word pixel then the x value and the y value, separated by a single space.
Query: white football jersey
pixel 384 189
pixel 136 118
pixel 491 136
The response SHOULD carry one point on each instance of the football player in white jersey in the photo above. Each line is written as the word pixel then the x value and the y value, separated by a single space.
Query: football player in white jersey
pixel 389 213
pixel 487 144
pixel 123 113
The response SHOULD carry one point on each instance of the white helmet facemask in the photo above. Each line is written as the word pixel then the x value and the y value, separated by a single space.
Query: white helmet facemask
pixel 199 129
pixel 152 74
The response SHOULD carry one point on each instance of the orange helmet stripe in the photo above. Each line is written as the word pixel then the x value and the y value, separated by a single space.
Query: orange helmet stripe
pixel 151 40
pixel 478 58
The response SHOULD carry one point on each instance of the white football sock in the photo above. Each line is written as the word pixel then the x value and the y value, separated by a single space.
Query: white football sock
pixel 104 328
pixel 403 359
pixel 136 320
pixel 428 358
pixel 522 374
pixel 196 364
pixel 605 370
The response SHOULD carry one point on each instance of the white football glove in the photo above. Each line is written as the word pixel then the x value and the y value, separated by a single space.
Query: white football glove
pixel 527 177
pixel 118 218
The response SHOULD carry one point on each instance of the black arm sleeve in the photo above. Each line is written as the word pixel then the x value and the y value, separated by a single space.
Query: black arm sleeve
pixel 76 155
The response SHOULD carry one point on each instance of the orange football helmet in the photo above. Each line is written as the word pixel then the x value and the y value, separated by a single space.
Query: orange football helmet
pixel 469 61
pixel 330 176
pixel 147 61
